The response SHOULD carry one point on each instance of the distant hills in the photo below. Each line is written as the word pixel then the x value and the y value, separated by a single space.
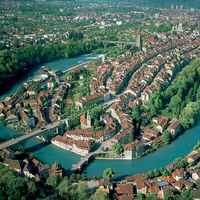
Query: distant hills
pixel 168 3
pixel 149 3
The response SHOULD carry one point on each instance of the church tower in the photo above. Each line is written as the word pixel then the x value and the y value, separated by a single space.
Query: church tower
pixel 104 59
pixel 88 119
pixel 138 41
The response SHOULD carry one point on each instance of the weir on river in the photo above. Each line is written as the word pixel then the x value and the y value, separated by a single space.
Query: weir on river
pixel 64 71
pixel 49 153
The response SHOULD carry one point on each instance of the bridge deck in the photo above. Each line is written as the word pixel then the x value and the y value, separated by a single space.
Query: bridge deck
pixel 32 134
pixel 82 161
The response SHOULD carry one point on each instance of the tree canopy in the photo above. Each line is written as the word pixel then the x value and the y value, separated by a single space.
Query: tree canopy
pixel 96 112
pixel 108 173
pixel 166 137
pixel 117 148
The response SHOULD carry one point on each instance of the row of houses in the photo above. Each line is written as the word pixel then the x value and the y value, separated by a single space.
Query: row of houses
pixel 81 141
pixel 76 146
pixel 30 168
pixel 161 186
pixel 122 113
pixel 98 97
pixel 29 101
pixel 55 112
pixel 157 74
pixel 113 74
pixel 127 65
pixel 100 76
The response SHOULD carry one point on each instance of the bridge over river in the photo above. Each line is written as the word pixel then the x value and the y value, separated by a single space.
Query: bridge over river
pixel 49 131
pixel 77 167
pixel 121 44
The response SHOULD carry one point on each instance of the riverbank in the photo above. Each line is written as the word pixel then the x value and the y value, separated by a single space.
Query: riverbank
pixel 48 153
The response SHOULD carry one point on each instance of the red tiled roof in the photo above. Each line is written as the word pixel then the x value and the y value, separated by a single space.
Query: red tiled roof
pixel 124 188
pixel 169 179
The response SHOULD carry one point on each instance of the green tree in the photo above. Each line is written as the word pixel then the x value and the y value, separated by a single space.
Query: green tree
pixel 165 173
pixel 117 148
pixel 30 111
pixel 51 90
pixel 28 127
pixel 151 197
pixel 73 177
pixel 17 188
pixel 46 104
pixel 77 96
pixel 63 187
pixel 31 187
pixel 96 112
pixel 150 173
pixel 152 110
pixel 161 170
pixel 136 113
pixel 42 193
pixel 78 177
pixel 197 145
pixel 96 123
pixel 102 148
pixel 131 138
pixel 158 103
pixel 186 194
pixel 108 173
pixel 156 172
pixel 31 155
pixel 198 94
pixel 83 177
pixel 140 196
pixel 181 161
pixel 82 191
pixel 197 182
pixel 53 180
pixel 175 103
pixel 188 114
pixel 166 137
pixel 98 195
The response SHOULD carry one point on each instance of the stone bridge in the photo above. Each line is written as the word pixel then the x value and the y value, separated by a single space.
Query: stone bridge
pixel 46 133
pixel 77 167
pixel 120 44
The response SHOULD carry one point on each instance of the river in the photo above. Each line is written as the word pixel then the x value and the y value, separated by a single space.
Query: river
pixel 48 153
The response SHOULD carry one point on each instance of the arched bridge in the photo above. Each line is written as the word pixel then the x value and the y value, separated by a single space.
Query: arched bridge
pixel 121 44
pixel 48 132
